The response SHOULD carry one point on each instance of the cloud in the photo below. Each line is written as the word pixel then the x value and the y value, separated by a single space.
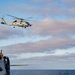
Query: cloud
pixel 6 32
pixel 47 8
pixel 43 53
pixel 68 2
pixel 61 53
pixel 51 8
pixel 46 60
pixel 61 32
pixel 45 27
pixel 53 27
pixel 41 46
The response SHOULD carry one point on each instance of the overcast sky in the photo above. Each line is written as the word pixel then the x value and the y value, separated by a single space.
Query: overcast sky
pixel 49 43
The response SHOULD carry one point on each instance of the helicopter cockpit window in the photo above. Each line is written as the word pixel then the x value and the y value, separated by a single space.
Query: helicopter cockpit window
pixel 15 21
pixel 1 69
pixel 27 23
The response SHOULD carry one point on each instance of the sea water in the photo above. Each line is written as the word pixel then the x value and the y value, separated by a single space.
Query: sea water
pixel 42 72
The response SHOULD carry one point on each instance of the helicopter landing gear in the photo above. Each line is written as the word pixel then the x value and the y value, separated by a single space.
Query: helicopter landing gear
pixel 13 27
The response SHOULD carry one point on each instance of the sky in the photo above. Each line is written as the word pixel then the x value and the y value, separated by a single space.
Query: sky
pixel 49 43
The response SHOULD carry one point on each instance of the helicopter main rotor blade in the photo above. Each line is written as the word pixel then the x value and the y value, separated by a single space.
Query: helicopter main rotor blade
pixel 15 17
pixel 20 18
pixel 29 18
pixel 12 16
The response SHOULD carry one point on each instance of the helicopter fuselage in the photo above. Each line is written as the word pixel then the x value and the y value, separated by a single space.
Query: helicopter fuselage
pixel 19 23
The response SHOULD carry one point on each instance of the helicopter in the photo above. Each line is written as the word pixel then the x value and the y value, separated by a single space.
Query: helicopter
pixel 5 64
pixel 20 22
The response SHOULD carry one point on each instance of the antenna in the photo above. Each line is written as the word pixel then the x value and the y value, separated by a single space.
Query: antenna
pixel 1 55
pixel 1 50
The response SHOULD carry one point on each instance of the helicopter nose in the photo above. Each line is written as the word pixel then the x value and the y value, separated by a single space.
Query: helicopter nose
pixel 30 25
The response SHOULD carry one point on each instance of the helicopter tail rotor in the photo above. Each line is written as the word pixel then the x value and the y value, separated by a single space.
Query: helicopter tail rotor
pixel 3 21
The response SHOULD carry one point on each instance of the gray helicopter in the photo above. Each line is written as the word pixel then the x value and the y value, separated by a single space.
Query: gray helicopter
pixel 20 22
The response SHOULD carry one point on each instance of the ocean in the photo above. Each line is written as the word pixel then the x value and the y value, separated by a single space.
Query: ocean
pixel 42 72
